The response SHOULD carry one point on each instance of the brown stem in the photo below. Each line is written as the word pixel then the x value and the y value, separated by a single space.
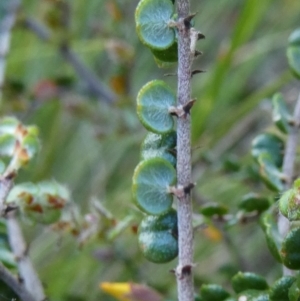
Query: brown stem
pixel 184 273
pixel 288 170
pixel 26 270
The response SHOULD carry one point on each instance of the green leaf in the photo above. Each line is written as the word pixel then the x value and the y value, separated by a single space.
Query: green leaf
pixel 169 55
pixel 281 115
pixel 42 202
pixel 153 102
pixel 31 144
pixel 245 281
pixel 293 55
pixel 211 209
pixel 289 204
pixel 270 144
pixel 152 23
pixel 268 223
pixel 158 237
pixel 7 145
pixel 280 288
pixel 254 202
pixel 151 180
pixel 294 38
pixel 8 125
pixel 254 295
pixel 269 173
pixel 294 291
pixel 162 146
pixel 290 253
pixel 213 292
pixel 293 52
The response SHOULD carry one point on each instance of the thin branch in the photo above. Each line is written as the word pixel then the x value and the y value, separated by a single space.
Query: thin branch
pixel 8 16
pixel 14 283
pixel 288 169
pixel 94 84
pixel 184 272
pixel 19 248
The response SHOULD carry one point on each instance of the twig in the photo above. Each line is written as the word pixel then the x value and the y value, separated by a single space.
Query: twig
pixel 288 170
pixel 184 273
pixel 26 270
pixel 14 283
pixel 8 16
pixel 94 84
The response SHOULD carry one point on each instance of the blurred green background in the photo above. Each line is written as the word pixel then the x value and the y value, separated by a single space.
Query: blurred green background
pixel 93 146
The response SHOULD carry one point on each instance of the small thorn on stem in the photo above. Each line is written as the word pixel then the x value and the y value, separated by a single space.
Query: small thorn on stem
pixel 182 111
pixel 181 191
pixel 187 20
pixel 187 107
pixel 197 53
pixel 197 71
pixel 170 74
pixel 182 271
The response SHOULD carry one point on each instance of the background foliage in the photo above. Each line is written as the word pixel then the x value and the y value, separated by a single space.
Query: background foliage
pixel 93 147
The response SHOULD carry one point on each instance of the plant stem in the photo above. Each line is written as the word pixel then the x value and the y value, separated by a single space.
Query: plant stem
pixel 184 273
pixel 19 248
pixel 8 16
pixel 14 284
pixel 288 169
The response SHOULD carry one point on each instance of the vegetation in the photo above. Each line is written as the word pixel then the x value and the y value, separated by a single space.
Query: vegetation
pixel 74 71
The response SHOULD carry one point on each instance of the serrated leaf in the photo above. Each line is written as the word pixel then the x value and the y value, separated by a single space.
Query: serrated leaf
pixel 162 146
pixel 270 144
pixel 281 115
pixel 280 288
pixel 254 202
pixel 268 223
pixel 152 23
pixel 151 180
pixel 153 102
pixel 213 292
pixel 269 173
pixel 245 281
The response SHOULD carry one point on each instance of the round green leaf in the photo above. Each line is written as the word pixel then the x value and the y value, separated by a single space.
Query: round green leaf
pixel 294 290
pixel 290 251
pixel 254 202
pixel 211 209
pixel 280 288
pixel 162 146
pixel 270 144
pixel 245 281
pixel 281 115
pixel 293 55
pixel 167 55
pixel 269 173
pixel 213 292
pixel 294 38
pixel 151 180
pixel 268 223
pixel 152 19
pixel 254 295
pixel 158 237
pixel 153 102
